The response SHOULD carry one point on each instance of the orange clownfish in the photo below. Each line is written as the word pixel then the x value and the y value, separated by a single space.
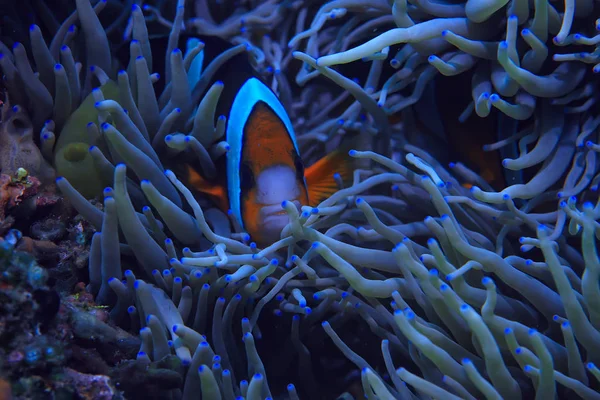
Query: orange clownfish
pixel 263 167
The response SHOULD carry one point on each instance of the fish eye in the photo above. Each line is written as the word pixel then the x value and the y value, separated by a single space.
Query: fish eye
pixel 247 181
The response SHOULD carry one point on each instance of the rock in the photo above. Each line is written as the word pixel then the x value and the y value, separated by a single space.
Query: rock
pixel 48 229
pixel 42 250
pixel 92 387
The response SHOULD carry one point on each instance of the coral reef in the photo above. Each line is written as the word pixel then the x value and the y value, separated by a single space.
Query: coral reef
pixel 14 191
pixel 27 304
pixel 422 278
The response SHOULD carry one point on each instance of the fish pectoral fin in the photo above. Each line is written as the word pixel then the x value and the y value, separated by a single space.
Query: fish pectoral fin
pixel 213 190
pixel 319 176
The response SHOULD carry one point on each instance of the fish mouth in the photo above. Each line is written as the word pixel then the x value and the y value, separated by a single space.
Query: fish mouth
pixel 275 210
pixel 273 219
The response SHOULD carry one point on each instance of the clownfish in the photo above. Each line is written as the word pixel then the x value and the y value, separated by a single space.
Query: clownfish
pixel 263 166
pixel 444 136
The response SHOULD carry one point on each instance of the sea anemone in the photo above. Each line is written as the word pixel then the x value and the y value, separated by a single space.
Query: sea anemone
pixel 428 258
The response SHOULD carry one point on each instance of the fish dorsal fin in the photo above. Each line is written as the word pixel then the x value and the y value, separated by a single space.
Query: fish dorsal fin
pixel 216 191
pixel 319 176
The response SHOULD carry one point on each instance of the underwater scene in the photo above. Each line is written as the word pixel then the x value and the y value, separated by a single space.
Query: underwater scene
pixel 299 199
